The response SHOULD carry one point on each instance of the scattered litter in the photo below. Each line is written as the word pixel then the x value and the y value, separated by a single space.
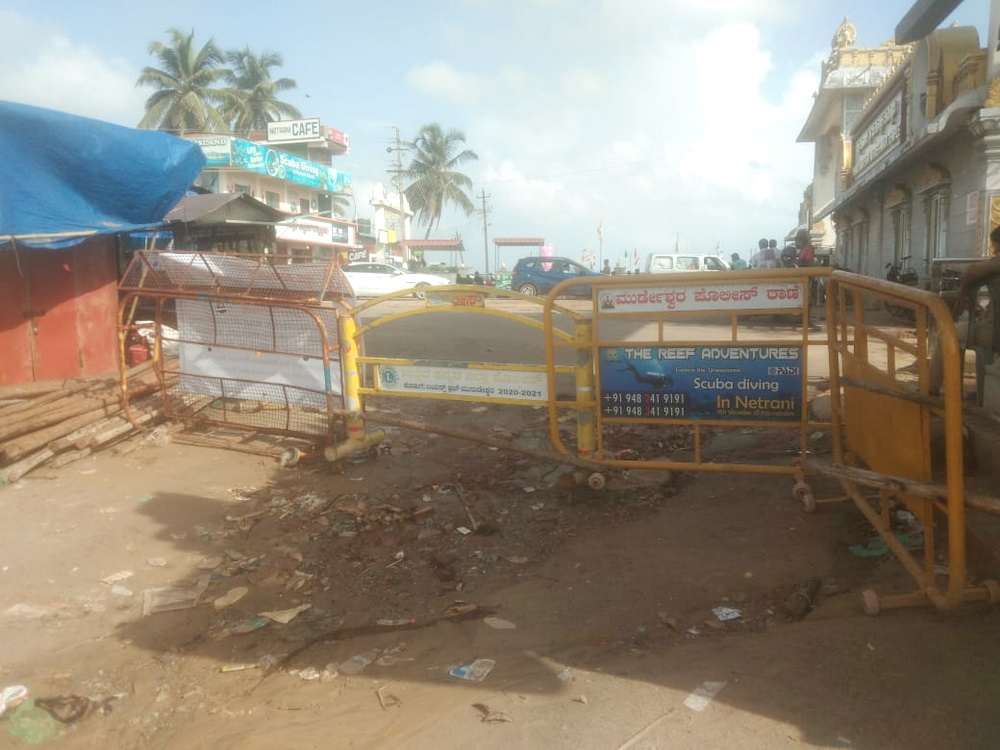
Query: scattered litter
pixel 843 742
pixel 725 614
pixel 877 547
pixel 69 709
pixel 691 632
pixel 529 489
pixel 475 672
pixel 565 675
pixel 170 598
pixel 268 661
pixel 145 498
pixel 668 620
pixel 249 626
pixel 32 725
pixel 309 674
pixel 394 623
pixel 330 672
pixel 870 647
pixel 285 616
pixel 459 608
pixel 703 695
pixel 117 577
pixel 238 667
pixel 230 597
pixel 801 601
pixel 157 562
pixel 388 657
pixel 387 700
pixel 491 717
pixel 463 530
pixel 581 699
pixel 397 559
pixel 11 696
pixel 357 663
pixel 516 559
pixel 499 624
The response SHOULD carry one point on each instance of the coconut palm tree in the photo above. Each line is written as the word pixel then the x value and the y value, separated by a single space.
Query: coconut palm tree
pixel 436 183
pixel 185 98
pixel 252 102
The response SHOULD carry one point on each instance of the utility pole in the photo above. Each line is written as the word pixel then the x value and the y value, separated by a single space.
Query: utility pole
pixel 485 211
pixel 397 181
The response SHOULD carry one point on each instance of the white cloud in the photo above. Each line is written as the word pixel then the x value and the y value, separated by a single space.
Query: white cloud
pixel 442 80
pixel 657 130
pixel 42 67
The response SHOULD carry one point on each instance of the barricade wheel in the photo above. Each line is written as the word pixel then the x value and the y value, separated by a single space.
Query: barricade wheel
pixel 992 591
pixel 290 457
pixel 869 602
pixel 596 481
pixel 803 493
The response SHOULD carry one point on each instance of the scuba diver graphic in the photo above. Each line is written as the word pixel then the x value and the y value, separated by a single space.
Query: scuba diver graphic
pixel 654 379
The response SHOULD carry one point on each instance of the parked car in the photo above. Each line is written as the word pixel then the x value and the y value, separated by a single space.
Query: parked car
pixel 684 263
pixel 539 275
pixel 376 279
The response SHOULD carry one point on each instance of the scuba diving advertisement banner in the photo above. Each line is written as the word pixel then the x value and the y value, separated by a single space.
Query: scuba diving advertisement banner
pixel 716 382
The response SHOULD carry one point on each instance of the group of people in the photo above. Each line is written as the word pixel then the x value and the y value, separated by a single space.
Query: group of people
pixel 802 253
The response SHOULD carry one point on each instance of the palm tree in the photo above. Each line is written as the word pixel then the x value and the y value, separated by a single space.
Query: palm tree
pixel 433 169
pixel 185 99
pixel 253 100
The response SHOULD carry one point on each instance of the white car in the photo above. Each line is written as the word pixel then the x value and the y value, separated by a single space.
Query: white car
pixel 681 262
pixel 376 279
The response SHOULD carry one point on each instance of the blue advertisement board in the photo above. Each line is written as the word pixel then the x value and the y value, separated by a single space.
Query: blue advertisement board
pixel 226 151
pixel 746 383
pixel 256 157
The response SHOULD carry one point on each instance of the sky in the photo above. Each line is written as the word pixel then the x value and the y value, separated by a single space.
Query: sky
pixel 669 123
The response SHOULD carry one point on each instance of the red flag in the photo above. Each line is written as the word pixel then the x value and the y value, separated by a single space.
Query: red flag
pixel 600 229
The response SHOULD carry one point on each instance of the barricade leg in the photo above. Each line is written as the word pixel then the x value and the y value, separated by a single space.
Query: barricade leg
pixel 357 438
pixel 586 427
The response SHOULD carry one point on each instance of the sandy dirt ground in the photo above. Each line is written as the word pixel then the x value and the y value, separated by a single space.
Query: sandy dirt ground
pixel 594 608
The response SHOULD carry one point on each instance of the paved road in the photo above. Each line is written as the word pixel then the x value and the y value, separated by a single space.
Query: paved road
pixel 451 335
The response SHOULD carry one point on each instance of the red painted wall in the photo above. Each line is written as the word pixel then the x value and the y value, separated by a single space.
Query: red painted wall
pixel 58 312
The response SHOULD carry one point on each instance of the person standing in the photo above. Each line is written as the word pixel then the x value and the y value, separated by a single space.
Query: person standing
pixel 607 267
pixel 807 253
pixel 737 263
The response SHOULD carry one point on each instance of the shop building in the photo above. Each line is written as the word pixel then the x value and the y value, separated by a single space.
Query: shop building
pixel 289 168
pixel 915 169
pixel 390 224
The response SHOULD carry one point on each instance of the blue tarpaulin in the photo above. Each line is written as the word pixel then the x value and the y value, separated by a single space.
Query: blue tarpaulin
pixel 64 178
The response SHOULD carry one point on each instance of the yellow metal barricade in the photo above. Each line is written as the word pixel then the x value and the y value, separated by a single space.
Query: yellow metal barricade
pixel 648 353
pixel 885 418
pixel 436 374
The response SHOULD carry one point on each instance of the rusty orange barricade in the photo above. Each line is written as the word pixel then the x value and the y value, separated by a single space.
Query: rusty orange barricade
pixel 244 342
